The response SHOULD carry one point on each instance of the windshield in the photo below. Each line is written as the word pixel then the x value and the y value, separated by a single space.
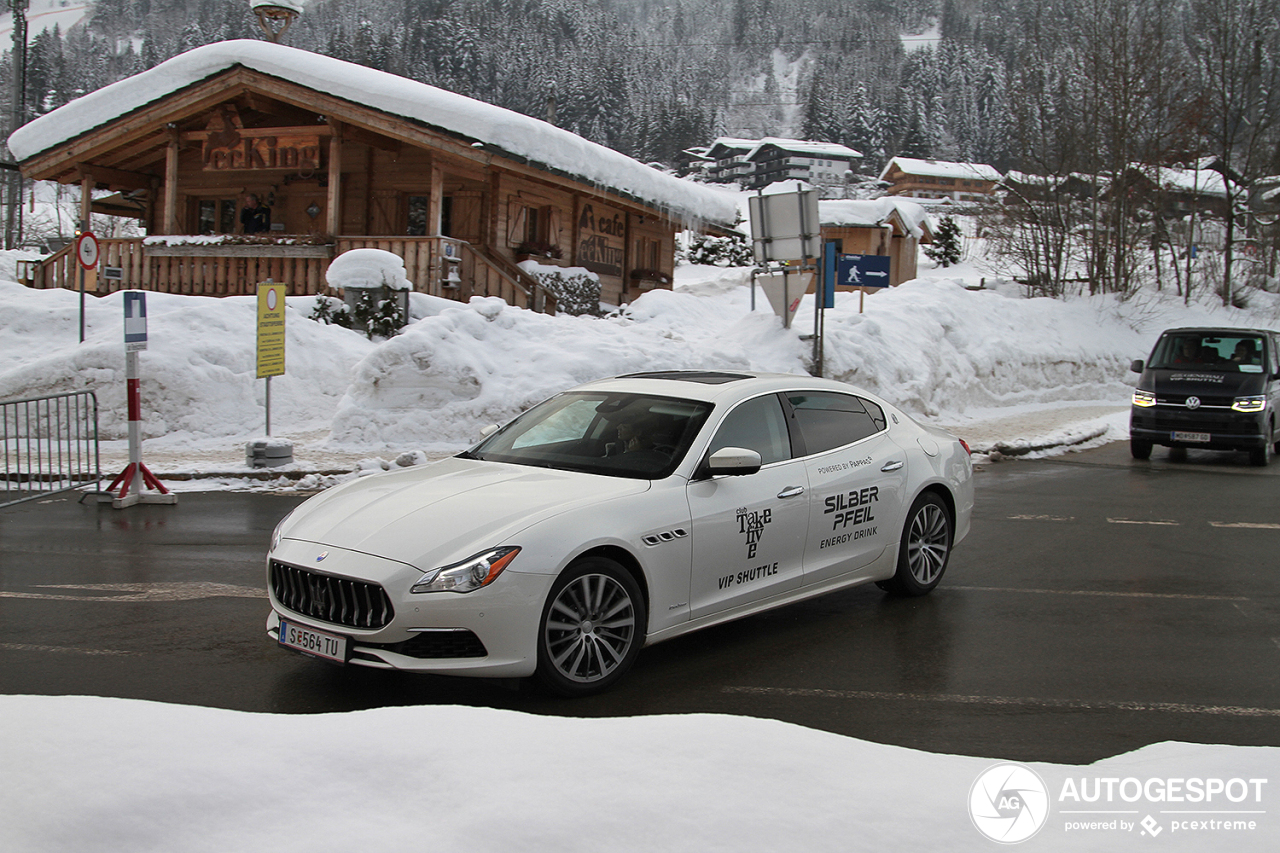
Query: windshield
pixel 1212 352
pixel 618 435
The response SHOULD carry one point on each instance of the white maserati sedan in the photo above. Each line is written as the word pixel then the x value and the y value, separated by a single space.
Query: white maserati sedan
pixel 617 514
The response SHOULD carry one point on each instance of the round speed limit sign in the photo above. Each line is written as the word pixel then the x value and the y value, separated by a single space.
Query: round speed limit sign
pixel 87 250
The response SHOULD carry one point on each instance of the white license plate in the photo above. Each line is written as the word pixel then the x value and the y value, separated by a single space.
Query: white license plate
pixel 1201 437
pixel 312 642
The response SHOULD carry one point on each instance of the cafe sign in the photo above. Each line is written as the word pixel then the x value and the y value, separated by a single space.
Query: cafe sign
pixel 601 239
pixel 249 150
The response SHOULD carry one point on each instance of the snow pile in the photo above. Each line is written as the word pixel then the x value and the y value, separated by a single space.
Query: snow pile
pixel 198 374
pixel 368 269
pixel 931 345
pixel 93 774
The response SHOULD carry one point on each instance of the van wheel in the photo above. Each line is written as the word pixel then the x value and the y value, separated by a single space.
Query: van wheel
pixel 1261 456
pixel 1139 448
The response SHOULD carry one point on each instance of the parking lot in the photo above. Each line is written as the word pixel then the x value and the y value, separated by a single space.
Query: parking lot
pixel 1099 604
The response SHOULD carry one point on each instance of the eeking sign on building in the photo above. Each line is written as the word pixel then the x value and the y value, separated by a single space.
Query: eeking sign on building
pixel 329 156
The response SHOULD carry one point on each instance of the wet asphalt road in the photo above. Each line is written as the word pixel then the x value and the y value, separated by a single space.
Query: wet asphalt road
pixel 1098 605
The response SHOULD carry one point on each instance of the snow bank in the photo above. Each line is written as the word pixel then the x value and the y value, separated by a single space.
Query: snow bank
pixel 931 345
pixel 94 774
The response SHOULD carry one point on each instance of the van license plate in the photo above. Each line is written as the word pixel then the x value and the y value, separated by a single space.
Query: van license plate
pixel 312 642
pixel 1198 437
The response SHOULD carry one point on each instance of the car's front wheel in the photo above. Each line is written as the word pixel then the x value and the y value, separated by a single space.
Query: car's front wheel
pixel 924 549
pixel 593 626
pixel 1140 449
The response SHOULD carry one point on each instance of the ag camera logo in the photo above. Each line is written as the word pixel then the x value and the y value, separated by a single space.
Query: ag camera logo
pixel 1009 803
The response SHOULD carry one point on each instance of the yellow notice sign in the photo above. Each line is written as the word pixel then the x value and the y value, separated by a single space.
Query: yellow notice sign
pixel 270 330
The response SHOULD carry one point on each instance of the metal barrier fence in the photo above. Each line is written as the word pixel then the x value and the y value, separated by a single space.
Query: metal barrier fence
pixel 50 445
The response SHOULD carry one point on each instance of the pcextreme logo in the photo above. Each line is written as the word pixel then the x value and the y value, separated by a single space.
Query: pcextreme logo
pixel 1009 803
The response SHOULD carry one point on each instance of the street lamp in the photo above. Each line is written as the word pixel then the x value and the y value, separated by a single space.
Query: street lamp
pixel 275 16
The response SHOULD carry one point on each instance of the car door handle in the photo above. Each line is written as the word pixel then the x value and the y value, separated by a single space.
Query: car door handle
pixel 891 466
pixel 791 492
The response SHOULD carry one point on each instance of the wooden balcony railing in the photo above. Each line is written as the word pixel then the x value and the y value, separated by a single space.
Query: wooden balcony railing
pixel 441 266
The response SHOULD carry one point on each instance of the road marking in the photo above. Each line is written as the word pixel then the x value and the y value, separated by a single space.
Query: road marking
pixel 28 647
pixel 1041 518
pixel 1244 525
pixel 134 592
pixel 1009 701
pixel 1154 523
pixel 1103 593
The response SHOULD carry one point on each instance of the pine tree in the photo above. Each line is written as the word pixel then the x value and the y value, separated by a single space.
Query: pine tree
pixel 946 243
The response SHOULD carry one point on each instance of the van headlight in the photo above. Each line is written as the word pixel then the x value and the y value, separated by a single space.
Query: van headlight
pixel 1144 399
pixel 1249 404
pixel 469 575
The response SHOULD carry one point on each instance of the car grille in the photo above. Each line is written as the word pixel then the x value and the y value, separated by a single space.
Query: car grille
pixel 354 604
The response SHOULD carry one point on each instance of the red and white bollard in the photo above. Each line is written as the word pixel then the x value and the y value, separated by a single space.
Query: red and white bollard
pixel 136 483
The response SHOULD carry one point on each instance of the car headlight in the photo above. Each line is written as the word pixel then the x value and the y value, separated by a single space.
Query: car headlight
pixel 275 534
pixel 469 575
pixel 1144 399
pixel 1249 404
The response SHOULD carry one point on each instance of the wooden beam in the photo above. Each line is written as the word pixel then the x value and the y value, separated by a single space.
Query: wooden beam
pixel 333 212
pixel 86 202
pixel 114 179
pixel 170 213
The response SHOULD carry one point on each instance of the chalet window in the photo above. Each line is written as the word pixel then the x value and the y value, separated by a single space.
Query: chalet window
pixel 533 230
pixel 419 205
pixel 647 254
pixel 217 216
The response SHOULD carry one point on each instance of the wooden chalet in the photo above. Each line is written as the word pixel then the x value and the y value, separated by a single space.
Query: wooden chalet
pixel 348 157
pixel 939 179
pixel 887 226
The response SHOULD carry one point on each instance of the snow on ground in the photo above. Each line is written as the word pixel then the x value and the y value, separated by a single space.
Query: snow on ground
pixel 94 774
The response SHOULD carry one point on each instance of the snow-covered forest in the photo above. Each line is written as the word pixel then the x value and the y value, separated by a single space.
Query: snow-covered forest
pixel 1014 83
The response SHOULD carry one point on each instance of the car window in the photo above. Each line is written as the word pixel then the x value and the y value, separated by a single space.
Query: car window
pixel 621 435
pixel 1209 352
pixel 828 420
pixel 758 425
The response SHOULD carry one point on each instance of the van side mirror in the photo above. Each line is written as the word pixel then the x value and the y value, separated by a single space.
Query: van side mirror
pixel 732 461
pixel 486 431
pixel 1137 365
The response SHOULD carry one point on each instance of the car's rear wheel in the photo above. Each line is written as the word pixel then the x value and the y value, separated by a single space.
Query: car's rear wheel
pixel 1139 448
pixel 924 548
pixel 592 628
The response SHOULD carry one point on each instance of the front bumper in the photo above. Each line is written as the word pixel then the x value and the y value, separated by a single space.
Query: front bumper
pixel 1226 428
pixel 491 632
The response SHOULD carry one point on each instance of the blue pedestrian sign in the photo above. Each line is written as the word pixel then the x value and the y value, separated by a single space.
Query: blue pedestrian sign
pixel 862 271
pixel 135 320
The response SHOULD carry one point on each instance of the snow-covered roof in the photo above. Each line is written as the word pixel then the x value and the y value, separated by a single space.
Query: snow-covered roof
pixel 1196 181
pixel 873 213
pixel 498 129
pixel 942 169
pixel 806 148
pixel 290 5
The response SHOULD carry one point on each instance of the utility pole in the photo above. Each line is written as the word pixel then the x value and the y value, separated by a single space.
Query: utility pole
pixel 17 118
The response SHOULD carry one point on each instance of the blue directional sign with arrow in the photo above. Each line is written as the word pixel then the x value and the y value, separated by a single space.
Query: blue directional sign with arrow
pixel 862 270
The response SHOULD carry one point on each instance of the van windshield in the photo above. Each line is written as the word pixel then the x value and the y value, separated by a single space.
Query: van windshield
pixel 1212 352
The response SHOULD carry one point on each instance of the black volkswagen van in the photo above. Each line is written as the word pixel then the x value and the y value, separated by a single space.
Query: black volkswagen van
pixel 1217 389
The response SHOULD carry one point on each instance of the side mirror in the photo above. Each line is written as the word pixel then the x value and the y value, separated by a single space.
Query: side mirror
pixel 1137 365
pixel 487 431
pixel 733 461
